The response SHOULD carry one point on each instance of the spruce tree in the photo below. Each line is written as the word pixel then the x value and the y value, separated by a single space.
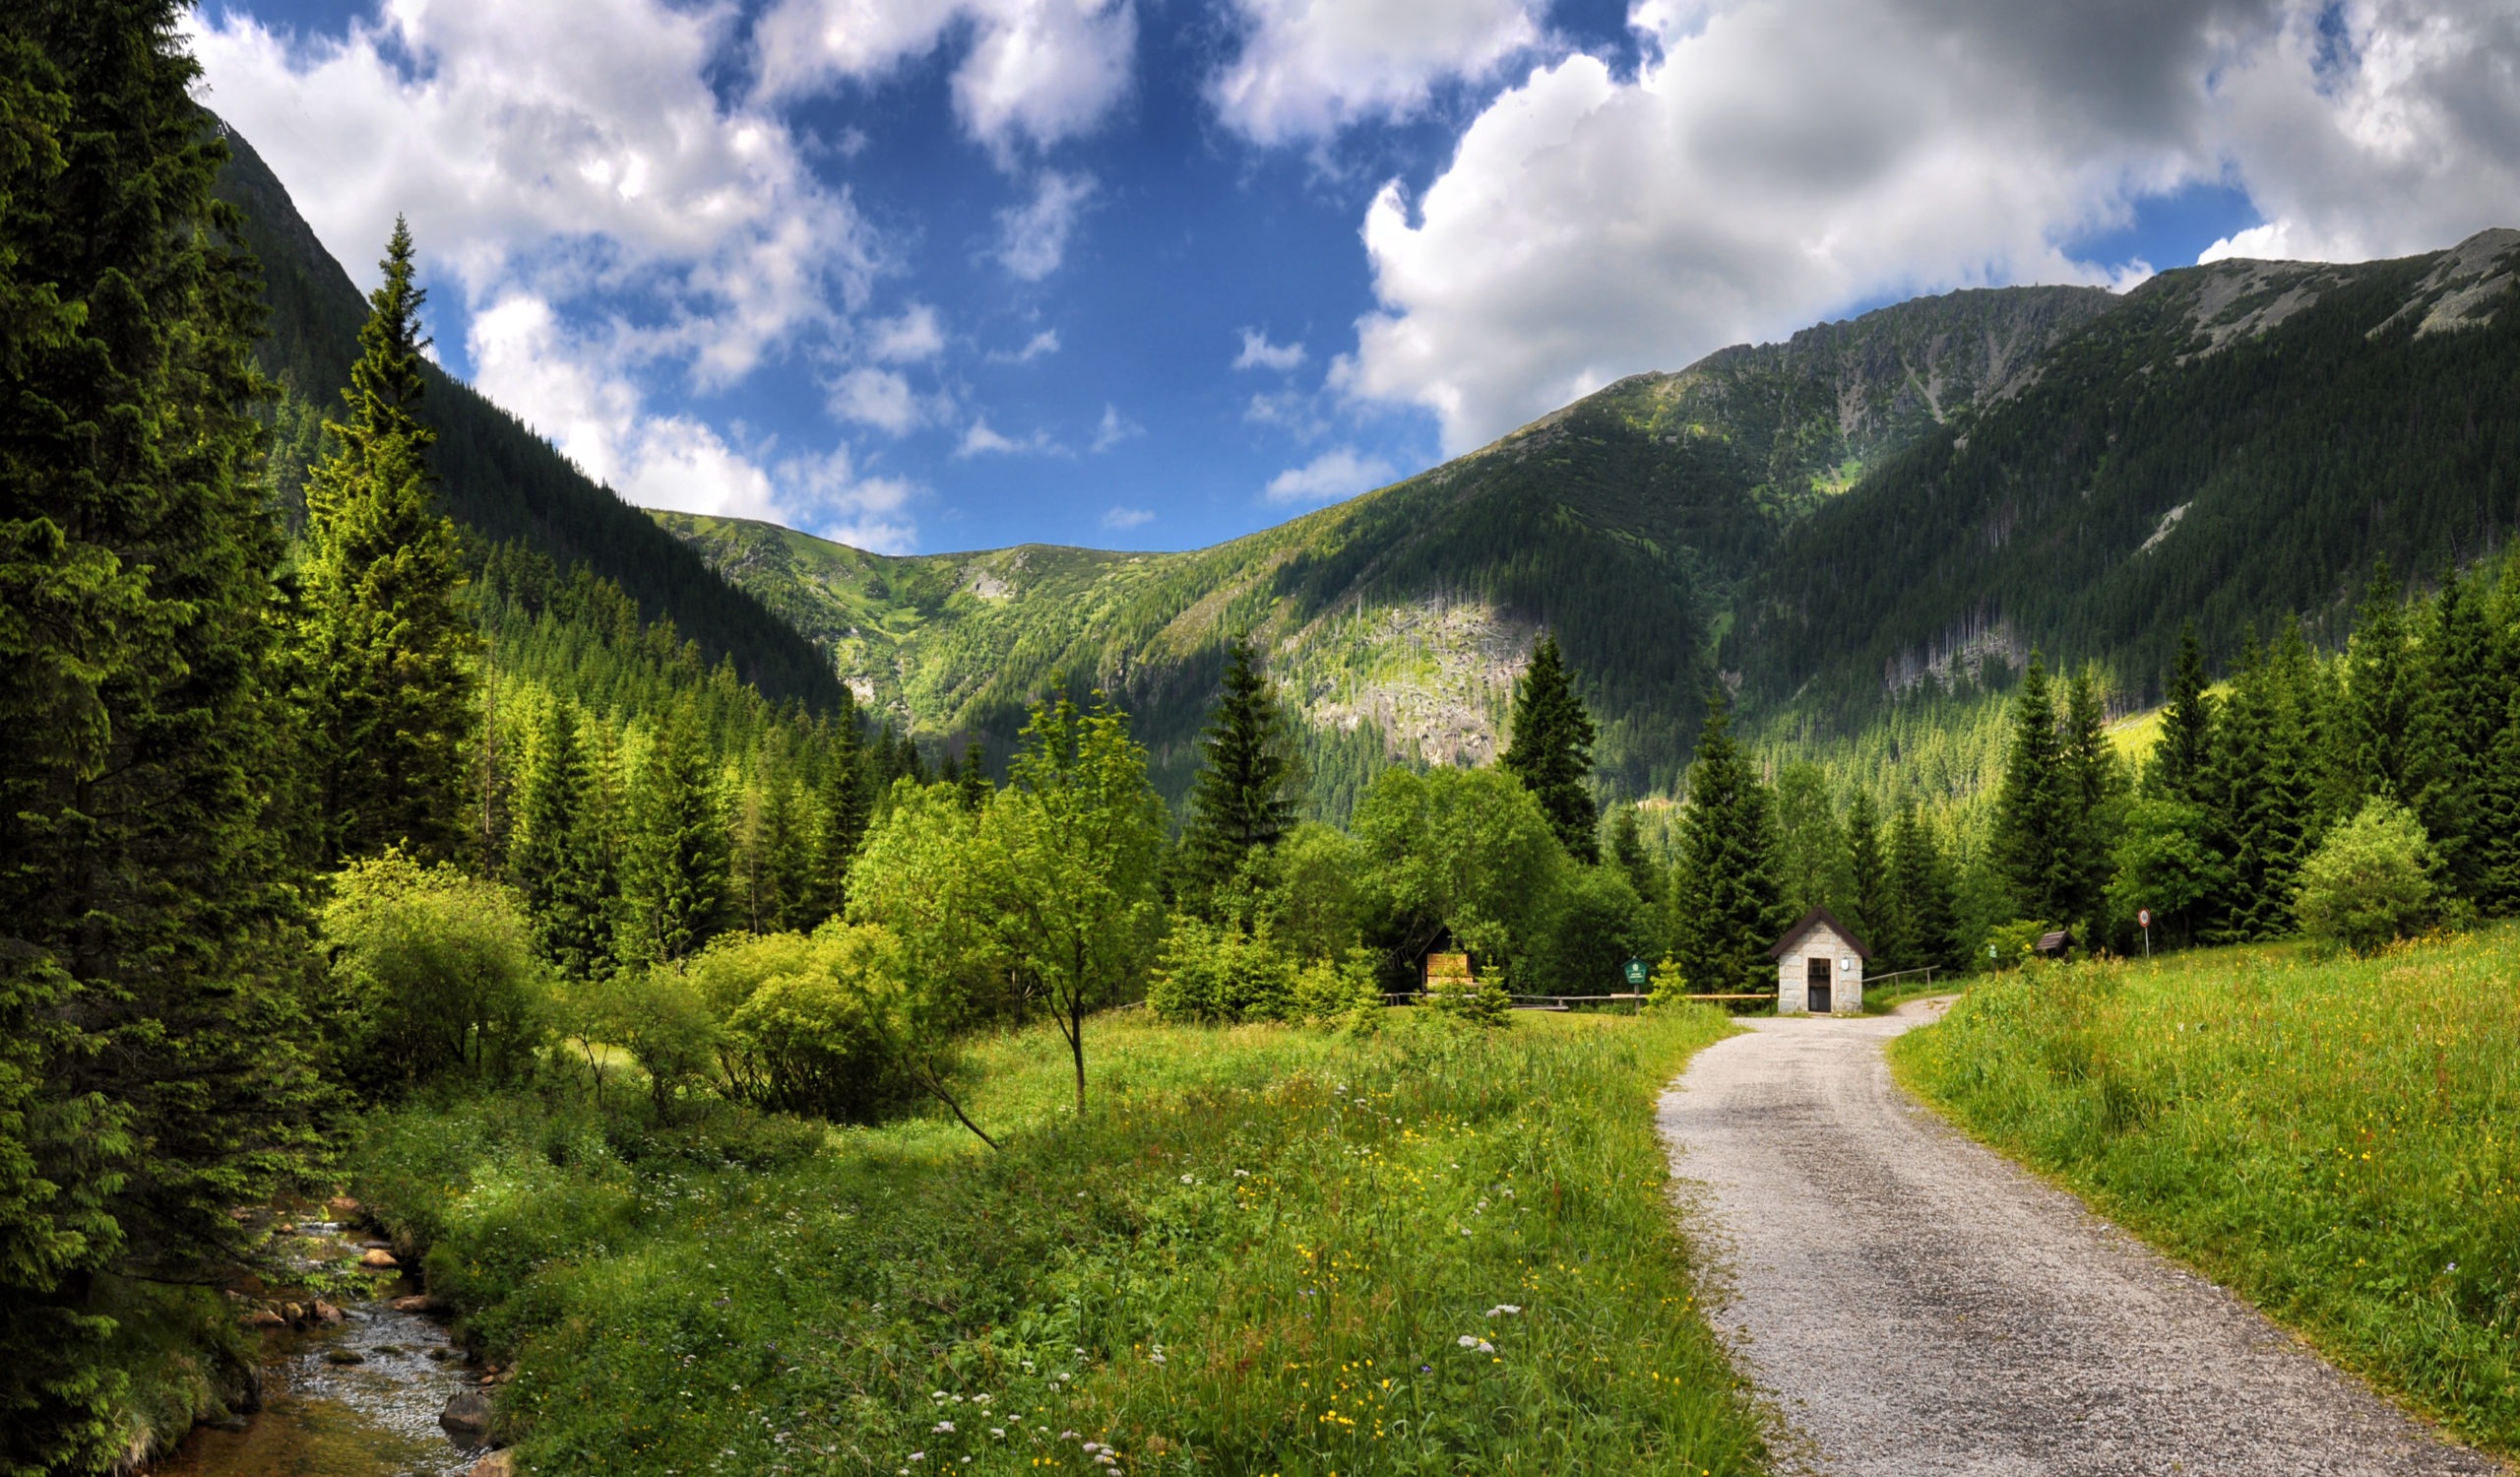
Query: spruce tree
pixel 1551 751
pixel 1811 848
pixel 2379 695
pixel 154 1071
pixel 1627 848
pixel 2095 787
pixel 389 649
pixel 2460 706
pixel 2033 837
pixel 675 891
pixel 2182 762
pixel 2497 822
pixel 1869 867
pixel 844 805
pixel 2242 825
pixel 974 785
pixel 1243 799
pixel 560 859
pixel 1728 906
pixel 1923 897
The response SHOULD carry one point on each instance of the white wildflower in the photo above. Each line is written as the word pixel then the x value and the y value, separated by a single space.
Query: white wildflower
pixel 944 1426
pixel 1505 1308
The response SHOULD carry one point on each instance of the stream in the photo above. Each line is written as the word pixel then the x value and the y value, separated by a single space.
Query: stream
pixel 355 1398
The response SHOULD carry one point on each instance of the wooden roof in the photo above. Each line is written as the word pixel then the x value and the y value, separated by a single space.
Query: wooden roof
pixel 1793 936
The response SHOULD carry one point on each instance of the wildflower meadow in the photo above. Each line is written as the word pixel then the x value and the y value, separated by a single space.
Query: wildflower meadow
pixel 1432 1248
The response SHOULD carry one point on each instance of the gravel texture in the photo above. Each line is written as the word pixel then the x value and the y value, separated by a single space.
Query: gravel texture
pixel 1914 1302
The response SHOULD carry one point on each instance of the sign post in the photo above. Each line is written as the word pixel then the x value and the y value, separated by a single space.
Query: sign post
pixel 1638 974
pixel 2144 921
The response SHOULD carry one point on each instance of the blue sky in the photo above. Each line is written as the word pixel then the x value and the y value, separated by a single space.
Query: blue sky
pixel 951 273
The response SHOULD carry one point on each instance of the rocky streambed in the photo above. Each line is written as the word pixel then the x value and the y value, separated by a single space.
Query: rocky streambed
pixel 365 1383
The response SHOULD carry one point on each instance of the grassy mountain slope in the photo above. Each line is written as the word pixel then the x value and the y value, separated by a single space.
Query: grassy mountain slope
pixel 2234 443
pixel 500 480
pixel 1398 621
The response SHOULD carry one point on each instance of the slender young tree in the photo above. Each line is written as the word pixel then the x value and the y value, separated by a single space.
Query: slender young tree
pixel 1551 751
pixel 154 1072
pixel 974 786
pixel 1924 895
pixel 389 647
pixel 1728 906
pixel 1811 847
pixel 1243 799
pixel 1071 847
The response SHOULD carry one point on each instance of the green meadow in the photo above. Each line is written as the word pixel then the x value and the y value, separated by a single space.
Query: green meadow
pixel 2337 1139
pixel 1429 1249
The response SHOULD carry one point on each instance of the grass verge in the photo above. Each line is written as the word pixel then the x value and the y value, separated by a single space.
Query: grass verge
pixel 2337 1139
pixel 1434 1250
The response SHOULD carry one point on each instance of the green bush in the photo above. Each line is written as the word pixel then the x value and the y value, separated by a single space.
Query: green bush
pixel 661 1018
pixel 802 1021
pixel 2371 882
pixel 1596 926
pixel 434 972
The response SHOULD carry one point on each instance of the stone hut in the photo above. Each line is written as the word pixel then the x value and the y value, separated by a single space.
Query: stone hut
pixel 1819 967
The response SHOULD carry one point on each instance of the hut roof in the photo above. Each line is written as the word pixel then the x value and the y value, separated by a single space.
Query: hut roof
pixel 1793 936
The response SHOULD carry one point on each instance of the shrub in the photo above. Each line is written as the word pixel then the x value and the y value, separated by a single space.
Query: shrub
pixel 658 1017
pixel 2013 944
pixel 802 1021
pixel 1669 989
pixel 434 972
pixel 1211 972
pixel 2371 882
pixel 1345 993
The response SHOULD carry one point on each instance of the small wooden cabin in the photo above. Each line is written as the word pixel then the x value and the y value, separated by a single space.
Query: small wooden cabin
pixel 1819 967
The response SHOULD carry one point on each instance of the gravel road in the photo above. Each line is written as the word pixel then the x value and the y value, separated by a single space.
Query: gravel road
pixel 1914 1302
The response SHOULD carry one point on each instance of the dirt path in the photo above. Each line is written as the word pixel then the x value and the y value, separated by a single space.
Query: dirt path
pixel 1916 1304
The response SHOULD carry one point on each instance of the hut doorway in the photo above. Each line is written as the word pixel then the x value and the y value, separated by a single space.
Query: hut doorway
pixel 1815 995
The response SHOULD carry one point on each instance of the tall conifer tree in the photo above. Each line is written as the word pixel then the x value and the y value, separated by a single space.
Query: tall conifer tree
pixel 1551 751
pixel 1923 896
pixel 2033 837
pixel 389 649
pixel 152 1067
pixel 1243 799
pixel 675 891
pixel 845 804
pixel 2461 705
pixel 1727 905
pixel 2183 761
pixel 1870 865
pixel 558 857
pixel 2095 784
pixel 2379 695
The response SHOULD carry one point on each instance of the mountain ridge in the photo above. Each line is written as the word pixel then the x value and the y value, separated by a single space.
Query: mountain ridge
pixel 1705 493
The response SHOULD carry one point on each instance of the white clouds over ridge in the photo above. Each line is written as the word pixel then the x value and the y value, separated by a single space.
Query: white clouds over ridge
pixel 1038 70
pixel 1308 67
pixel 1773 162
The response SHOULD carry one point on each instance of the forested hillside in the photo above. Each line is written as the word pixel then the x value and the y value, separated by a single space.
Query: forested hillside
pixel 1854 530
pixel 2235 444
pixel 501 481
pixel 1397 623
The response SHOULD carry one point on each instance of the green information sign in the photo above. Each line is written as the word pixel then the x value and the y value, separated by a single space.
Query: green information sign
pixel 1638 974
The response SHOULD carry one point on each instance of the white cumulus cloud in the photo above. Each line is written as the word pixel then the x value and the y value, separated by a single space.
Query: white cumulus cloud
pixel 1114 429
pixel 601 421
pixel 1046 342
pixel 1119 518
pixel 569 150
pixel 982 439
pixel 1309 67
pixel 879 398
pixel 1774 161
pixel 1259 354
pixel 1032 236
pixel 915 334
pixel 1335 473
pixel 1036 70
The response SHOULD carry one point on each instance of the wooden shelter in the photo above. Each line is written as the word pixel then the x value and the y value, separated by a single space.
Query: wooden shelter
pixel 1819 967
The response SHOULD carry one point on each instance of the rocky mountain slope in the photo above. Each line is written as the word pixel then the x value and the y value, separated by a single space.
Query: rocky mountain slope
pixel 1398 621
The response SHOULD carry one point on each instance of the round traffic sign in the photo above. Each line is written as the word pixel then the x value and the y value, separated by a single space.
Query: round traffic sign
pixel 2143 918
